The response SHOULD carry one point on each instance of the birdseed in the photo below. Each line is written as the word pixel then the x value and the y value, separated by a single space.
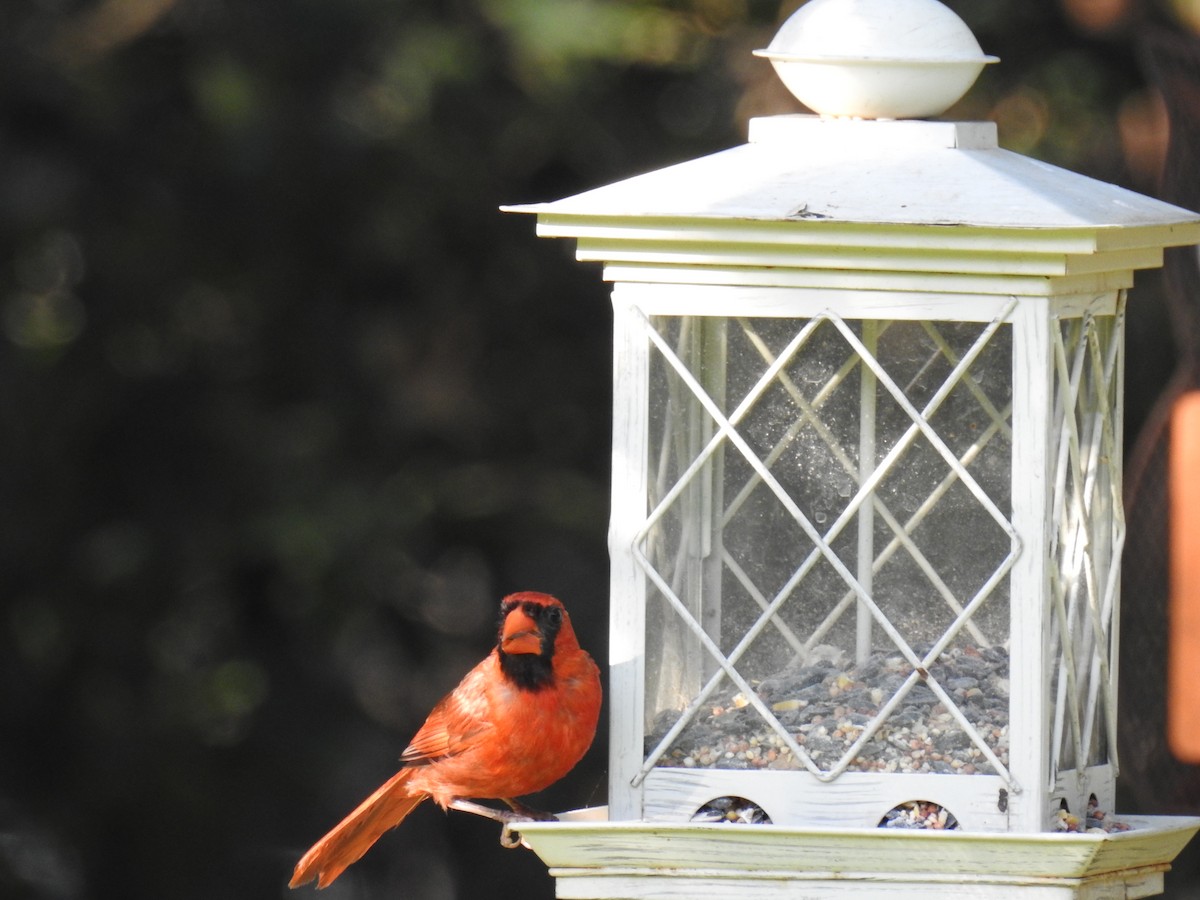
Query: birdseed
pixel 825 706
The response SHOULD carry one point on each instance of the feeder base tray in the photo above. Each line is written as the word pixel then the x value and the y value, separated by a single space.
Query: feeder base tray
pixel 594 859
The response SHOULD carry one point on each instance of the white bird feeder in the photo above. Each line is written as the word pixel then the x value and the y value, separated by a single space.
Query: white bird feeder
pixel 866 512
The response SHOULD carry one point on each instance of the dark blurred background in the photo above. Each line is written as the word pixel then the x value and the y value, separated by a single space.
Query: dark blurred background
pixel 287 404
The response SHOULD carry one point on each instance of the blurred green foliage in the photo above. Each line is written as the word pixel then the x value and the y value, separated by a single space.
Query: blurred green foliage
pixel 287 404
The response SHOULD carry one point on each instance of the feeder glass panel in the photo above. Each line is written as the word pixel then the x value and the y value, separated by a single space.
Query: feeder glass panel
pixel 828 543
pixel 1090 532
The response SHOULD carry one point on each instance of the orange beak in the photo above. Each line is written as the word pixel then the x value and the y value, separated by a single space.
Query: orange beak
pixel 520 634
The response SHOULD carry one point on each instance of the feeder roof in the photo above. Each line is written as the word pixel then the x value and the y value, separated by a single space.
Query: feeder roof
pixel 798 168
pixel 817 193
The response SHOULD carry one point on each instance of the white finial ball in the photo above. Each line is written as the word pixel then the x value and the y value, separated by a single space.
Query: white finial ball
pixel 876 59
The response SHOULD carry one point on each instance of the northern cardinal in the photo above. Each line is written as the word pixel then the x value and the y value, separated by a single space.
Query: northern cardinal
pixel 518 722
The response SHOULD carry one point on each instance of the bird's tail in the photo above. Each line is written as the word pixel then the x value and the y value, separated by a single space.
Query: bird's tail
pixel 354 835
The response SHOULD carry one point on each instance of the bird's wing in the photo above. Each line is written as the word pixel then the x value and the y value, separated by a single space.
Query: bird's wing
pixel 459 721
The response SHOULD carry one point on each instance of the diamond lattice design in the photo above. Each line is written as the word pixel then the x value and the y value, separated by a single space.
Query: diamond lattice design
pixel 807 482
pixel 1089 518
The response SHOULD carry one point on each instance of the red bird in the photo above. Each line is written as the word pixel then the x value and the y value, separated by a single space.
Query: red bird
pixel 517 723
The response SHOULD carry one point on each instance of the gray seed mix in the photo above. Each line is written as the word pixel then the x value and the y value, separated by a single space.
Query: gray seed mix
pixel 826 705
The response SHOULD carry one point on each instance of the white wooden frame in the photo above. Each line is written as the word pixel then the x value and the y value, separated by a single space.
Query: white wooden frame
pixel 1030 793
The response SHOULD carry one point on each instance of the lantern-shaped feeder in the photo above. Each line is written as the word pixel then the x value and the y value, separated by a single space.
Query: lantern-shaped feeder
pixel 866 525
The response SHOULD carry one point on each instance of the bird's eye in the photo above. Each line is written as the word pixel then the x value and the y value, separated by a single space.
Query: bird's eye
pixel 554 615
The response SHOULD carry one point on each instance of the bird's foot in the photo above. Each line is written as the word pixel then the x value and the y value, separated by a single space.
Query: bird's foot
pixel 519 814
pixel 509 837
